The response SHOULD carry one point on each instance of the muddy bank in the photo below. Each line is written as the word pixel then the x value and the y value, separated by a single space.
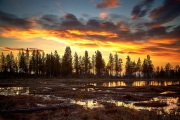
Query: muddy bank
pixel 109 111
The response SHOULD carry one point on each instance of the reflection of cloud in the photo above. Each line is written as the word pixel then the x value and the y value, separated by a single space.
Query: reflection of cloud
pixel 108 4
pixel 141 9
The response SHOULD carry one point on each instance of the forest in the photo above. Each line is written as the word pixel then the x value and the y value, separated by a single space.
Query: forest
pixel 37 64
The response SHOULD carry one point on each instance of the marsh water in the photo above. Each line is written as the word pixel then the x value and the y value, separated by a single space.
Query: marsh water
pixel 113 87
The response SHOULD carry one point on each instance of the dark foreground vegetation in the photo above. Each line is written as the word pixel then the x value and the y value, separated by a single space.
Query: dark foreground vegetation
pixel 37 64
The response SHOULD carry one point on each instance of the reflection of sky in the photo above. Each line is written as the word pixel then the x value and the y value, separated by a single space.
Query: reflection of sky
pixel 136 83
pixel 171 101
pixel 14 91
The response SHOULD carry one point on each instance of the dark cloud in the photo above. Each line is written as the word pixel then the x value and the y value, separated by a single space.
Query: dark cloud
pixel 157 31
pixel 176 32
pixel 166 13
pixel 50 18
pixel 13 20
pixel 141 9
pixel 70 17
pixel 109 26
pixel 92 23
pixel 108 4
pixel 70 21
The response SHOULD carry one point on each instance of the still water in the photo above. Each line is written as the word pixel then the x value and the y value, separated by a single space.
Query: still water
pixel 135 83
pixel 14 91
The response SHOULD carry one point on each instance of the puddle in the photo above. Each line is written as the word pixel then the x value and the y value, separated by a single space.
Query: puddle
pixel 84 89
pixel 87 103
pixel 172 105
pixel 14 91
pixel 134 83
pixel 167 92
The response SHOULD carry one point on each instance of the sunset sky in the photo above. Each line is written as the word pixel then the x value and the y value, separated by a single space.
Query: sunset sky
pixel 128 27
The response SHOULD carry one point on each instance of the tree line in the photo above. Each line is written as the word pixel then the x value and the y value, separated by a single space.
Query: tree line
pixel 38 64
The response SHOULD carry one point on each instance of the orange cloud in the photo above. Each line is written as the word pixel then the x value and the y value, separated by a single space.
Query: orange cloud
pixel 108 4
pixel 163 40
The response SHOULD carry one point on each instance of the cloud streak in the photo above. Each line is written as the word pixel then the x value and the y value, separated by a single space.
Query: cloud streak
pixel 9 49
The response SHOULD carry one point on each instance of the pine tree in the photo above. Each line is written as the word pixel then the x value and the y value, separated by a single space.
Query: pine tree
pixel 128 66
pixel 168 68
pixel 150 66
pixel 27 60
pixel 3 64
pixel 76 64
pixel 139 67
pixel 147 67
pixel 86 63
pixel 111 64
pixel 99 63
pixel 67 62
pixel 57 64
pixel 22 62
pixel 93 64
pixel 120 65
pixel 116 66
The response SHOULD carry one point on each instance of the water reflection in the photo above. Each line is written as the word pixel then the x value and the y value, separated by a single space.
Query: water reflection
pixel 88 103
pixel 135 83
pixel 172 105
pixel 14 91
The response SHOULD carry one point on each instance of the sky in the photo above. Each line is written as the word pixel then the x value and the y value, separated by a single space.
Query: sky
pixel 128 27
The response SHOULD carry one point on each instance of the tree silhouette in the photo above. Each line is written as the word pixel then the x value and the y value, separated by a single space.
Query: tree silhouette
pixel 147 67
pixel 139 67
pixel 128 67
pixel 111 64
pixel 76 64
pixel 93 64
pixel 67 63
pixel 22 62
pixel 86 63
pixel 99 63
pixel 51 65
